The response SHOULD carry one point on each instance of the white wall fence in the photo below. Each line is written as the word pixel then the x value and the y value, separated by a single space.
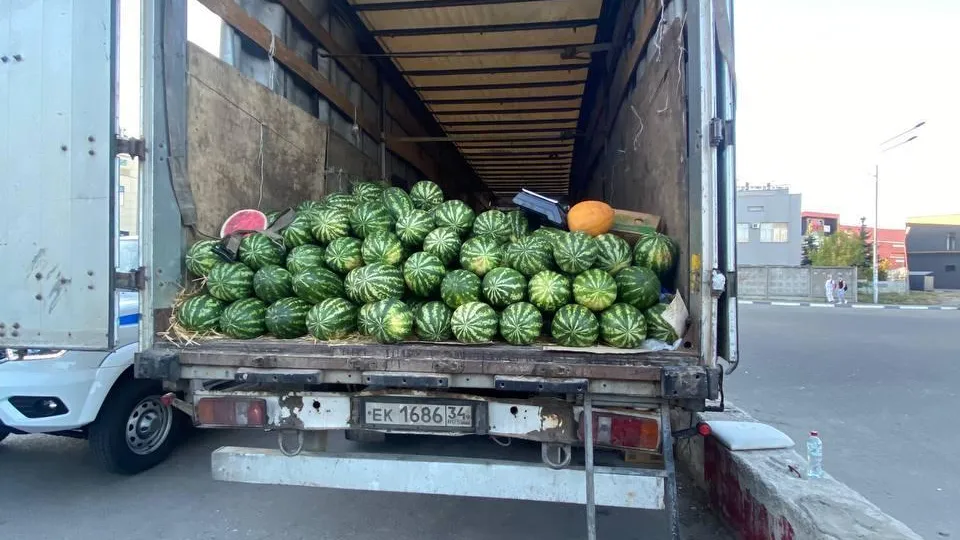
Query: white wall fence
pixel 792 282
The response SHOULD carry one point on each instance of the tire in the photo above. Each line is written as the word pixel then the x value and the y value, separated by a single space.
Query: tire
pixel 134 431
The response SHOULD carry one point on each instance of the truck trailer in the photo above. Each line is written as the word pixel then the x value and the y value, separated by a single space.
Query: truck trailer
pixel 624 101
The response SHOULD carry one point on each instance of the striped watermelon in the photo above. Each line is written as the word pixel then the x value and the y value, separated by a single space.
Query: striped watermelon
pixel 414 303
pixel 657 252
pixel 474 322
pixel 455 214
pixel 549 234
pixel 481 254
pixel 367 192
pixel 272 217
pixel 329 224
pixel 520 323
pixel 374 282
pixel 575 326
pixel 657 326
pixel 433 322
pixel 460 287
pixel 302 257
pixel 244 319
pixel 444 242
pixel 623 326
pixel 200 313
pixel 493 223
pixel 504 286
pixel 363 319
pixel 529 255
pixel 519 226
pixel 258 249
pixel 229 281
pixel 342 255
pixel 426 195
pixel 595 290
pixel 423 273
pixel 396 201
pixel 308 206
pixel 382 247
pixel 369 217
pixel 332 318
pixel 549 290
pixel 317 284
pixel 638 286
pixel 613 253
pixel 390 321
pixel 287 318
pixel 201 257
pixel 574 252
pixel 340 201
pixel 414 226
pixel 298 233
pixel 272 283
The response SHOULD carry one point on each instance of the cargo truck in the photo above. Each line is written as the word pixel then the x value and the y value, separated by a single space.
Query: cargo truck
pixel 628 102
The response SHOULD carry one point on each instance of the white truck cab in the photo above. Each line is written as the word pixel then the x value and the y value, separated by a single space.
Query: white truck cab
pixel 92 394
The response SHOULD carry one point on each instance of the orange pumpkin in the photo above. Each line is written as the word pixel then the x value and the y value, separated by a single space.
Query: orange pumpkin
pixel 591 217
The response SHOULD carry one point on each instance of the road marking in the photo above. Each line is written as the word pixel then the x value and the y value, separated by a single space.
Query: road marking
pixel 822 305
pixel 866 306
pixel 786 304
pixel 915 307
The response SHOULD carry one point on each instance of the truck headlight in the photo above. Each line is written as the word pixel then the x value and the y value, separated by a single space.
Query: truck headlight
pixel 32 354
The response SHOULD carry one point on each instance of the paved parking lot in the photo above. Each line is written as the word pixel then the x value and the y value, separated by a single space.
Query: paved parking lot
pixel 52 489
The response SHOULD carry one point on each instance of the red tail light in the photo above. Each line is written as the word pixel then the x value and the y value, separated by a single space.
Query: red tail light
pixel 624 430
pixel 232 412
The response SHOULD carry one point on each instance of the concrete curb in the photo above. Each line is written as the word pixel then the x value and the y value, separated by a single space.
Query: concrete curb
pixel 845 306
pixel 758 496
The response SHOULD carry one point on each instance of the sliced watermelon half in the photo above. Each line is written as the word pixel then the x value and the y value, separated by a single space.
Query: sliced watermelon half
pixel 242 221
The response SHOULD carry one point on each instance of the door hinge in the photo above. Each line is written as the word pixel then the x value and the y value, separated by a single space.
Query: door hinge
pixel 721 132
pixel 134 280
pixel 132 147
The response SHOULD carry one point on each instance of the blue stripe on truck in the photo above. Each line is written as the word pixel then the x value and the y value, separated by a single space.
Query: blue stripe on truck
pixel 128 320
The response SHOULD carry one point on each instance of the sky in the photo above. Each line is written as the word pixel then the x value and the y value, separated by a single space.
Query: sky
pixel 821 83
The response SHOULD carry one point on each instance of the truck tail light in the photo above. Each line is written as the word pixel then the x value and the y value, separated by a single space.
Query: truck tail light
pixel 231 412
pixel 633 431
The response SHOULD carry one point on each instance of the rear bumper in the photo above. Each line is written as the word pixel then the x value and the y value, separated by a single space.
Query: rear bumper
pixel 81 390
pixel 433 475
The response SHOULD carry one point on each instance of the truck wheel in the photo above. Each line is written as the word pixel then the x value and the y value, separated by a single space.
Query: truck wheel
pixel 134 431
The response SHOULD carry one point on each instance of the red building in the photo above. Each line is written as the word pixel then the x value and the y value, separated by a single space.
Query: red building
pixel 892 247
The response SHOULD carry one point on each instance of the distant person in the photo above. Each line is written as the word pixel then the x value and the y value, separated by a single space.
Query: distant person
pixel 841 291
pixel 828 287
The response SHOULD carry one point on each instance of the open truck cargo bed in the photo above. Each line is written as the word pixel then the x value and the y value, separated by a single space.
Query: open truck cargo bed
pixel 538 369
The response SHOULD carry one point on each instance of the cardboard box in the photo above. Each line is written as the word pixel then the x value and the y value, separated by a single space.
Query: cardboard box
pixel 632 225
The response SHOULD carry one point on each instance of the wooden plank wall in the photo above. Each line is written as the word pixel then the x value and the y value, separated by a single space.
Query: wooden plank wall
pixel 228 117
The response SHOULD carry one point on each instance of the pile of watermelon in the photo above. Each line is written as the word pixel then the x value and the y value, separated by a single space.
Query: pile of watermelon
pixel 399 266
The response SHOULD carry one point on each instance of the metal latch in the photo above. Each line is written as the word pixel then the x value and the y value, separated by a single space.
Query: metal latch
pixel 132 147
pixel 134 280
pixel 721 132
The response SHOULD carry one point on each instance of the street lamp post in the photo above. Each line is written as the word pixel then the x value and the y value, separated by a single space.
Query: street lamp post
pixel 876 199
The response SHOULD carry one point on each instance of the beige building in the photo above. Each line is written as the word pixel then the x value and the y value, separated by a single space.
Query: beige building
pixel 128 196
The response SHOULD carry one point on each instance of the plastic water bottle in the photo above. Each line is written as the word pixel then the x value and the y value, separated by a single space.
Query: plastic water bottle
pixel 814 456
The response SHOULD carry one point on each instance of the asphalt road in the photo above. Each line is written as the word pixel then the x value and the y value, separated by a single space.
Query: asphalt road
pixel 880 386
pixel 50 488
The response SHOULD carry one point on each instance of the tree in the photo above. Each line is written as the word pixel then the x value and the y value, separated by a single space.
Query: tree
pixel 865 264
pixel 839 249
pixel 809 248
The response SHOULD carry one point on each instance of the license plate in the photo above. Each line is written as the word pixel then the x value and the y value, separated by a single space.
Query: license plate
pixel 418 415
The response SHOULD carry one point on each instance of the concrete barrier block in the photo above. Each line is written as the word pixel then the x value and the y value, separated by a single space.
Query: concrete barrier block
pixel 758 495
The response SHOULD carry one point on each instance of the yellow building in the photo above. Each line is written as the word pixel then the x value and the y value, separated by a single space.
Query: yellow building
pixel 128 196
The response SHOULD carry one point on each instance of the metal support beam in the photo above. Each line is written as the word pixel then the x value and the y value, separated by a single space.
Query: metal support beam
pixel 588 465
